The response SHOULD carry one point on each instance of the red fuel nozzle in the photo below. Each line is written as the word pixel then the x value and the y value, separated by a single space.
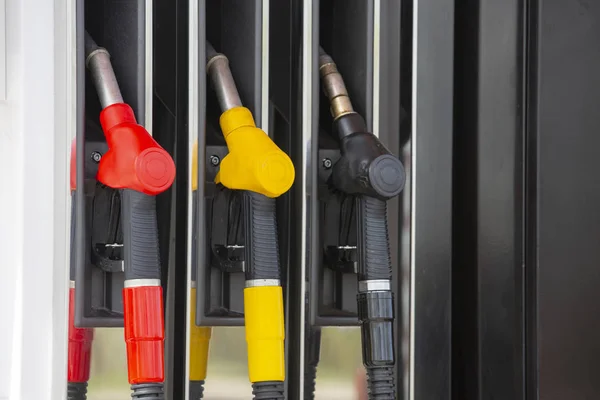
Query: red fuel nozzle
pixel 134 159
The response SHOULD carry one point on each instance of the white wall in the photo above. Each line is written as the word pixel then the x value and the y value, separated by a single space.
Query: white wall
pixel 35 126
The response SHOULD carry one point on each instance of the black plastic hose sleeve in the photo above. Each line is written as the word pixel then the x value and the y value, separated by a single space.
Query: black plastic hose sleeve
pixel 268 390
pixel 147 391
pixel 261 247
pixel 373 241
pixel 196 390
pixel 375 299
pixel 77 391
pixel 140 233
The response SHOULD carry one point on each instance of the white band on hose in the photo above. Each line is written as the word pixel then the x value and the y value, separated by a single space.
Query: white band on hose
pixel 262 282
pixel 374 285
pixel 131 283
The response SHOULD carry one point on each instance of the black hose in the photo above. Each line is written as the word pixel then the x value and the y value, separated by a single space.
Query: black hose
pixel 380 381
pixel 376 307
pixel 90 45
pixel 76 390
pixel 210 51
pixel 196 390
pixel 147 391
pixel 268 390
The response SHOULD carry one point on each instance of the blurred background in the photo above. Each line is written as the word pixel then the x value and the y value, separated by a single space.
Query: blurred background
pixel 227 369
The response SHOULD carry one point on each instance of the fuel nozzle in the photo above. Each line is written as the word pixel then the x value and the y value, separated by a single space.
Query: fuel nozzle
pixel 366 167
pixel 263 172
pixel 368 171
pixel 254 162
pixel 141 168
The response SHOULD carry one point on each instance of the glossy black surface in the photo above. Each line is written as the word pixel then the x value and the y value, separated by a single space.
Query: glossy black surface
pixel 170 122
pixel 488 248
pixel 431 158
pixel 568 192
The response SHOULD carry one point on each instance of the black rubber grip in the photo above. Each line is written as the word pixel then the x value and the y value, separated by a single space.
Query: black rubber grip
pixel 76 390
pixel 373 242
pixel 261 247
pixel 376 316
pixel 269 390
pixel 196 390
pixel 147 391
pixel 140 236
pixel 380 383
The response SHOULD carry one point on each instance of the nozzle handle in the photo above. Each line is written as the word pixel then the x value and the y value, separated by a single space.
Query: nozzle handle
pixel 140 236
pixel 374 261
pixel 261 246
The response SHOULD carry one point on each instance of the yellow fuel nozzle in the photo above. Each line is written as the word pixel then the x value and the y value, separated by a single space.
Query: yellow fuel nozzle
pixel 254 162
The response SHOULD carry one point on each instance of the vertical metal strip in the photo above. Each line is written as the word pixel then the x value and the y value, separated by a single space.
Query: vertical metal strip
pixel 80 199
pixel 432 135
pixel 376 64
pixel 307 132
pixel 264 119
pixel 413 196
pixel 148 64
pixel 65 122
pixel 195 48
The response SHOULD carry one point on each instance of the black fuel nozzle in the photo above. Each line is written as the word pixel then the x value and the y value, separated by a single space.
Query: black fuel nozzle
pixel 366 167
pixel 369 172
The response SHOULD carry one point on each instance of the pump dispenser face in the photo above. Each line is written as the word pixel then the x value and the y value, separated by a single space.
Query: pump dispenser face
pixel 230 201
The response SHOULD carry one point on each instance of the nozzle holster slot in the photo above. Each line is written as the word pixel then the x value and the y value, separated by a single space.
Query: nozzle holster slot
pixel 333 283
pixel 118 26
pixel 220 299
pixel 233 28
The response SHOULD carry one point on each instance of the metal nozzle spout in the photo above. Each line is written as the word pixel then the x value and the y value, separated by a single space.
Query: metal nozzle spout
pixel 97 59
pixel 333 86
pixel 217 67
